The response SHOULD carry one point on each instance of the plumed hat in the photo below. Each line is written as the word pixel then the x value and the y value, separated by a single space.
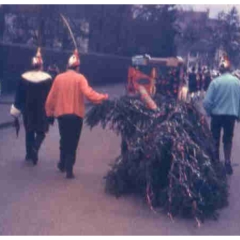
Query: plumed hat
pixel 74 60
pixel 37 59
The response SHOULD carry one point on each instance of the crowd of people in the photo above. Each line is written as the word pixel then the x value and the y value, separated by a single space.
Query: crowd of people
pixel 199 79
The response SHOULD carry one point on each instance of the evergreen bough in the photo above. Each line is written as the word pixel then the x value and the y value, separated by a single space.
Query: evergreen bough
pixel 167 156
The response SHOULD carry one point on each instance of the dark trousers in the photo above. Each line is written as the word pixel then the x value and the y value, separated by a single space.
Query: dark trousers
pixel 225 122
pixel 70 127
pixel 34 140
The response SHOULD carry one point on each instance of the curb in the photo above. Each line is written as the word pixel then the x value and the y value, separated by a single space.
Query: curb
pixel 5 103
pixel 6 125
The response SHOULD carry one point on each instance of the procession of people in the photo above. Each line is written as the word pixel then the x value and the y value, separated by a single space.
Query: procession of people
pixel 41 97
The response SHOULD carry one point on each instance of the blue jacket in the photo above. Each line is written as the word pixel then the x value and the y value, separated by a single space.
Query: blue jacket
pixel 223 96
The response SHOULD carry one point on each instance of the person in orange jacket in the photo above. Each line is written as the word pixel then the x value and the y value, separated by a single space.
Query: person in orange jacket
pixel 66 103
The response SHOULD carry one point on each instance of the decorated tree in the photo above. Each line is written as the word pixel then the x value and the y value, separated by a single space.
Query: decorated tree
pixel 167 156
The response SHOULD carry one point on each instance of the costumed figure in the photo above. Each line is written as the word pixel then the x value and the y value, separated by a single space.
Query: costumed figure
pixel 222 103
pixel 30 97
pixel 183 91
pixel 207 79
pixel 66 103
pixel 192 82
pixel 200 79
pixel 142 84
pixel 167 156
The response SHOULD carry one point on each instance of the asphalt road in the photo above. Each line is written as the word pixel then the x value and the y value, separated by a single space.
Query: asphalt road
pixel 38 200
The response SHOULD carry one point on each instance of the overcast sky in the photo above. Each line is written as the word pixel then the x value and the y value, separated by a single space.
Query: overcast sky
pixel 214 8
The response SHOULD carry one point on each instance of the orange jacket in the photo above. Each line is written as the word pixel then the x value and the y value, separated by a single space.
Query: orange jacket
pixel 67 95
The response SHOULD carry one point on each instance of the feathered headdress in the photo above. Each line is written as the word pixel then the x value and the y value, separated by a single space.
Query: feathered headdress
pixel 37 59
pixel 74 59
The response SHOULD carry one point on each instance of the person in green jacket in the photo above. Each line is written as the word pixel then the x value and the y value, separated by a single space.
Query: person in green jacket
pixel 222 103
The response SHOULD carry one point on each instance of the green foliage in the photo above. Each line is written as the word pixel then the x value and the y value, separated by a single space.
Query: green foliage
pixel 228 33
pixel 113 29
pixel 154 29
pixel 167 156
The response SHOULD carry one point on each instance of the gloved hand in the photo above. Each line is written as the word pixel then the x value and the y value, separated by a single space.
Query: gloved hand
pixel 14 111
pixel 51 120
pixel 105 96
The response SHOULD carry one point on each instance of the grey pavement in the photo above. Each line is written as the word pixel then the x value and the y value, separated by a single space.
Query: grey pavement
pixel 38 200
pixel 5 103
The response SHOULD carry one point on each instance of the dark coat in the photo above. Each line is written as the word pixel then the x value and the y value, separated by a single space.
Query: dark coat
pixel 207 81
pixel 192 82
pixel 30 98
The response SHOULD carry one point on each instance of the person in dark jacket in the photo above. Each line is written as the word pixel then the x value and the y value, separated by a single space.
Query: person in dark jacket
pixel 192 79
pixel 30 97
pixel 207 80
pixel 199 80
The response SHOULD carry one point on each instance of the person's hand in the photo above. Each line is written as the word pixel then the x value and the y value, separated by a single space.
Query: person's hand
pixel 105 96
pixel 14 112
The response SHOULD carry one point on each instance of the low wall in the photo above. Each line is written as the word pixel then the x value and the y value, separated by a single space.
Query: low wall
pixel 99 69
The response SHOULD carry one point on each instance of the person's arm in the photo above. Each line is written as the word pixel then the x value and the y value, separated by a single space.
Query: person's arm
pixel 208 102
pixel 19 100
pixel 90 94
pixel 238 118
pixel 51 100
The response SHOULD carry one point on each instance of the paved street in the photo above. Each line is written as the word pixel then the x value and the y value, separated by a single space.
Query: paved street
pixel 40 201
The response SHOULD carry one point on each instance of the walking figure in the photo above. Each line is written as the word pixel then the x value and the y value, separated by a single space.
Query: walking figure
pixel 30 97
pixel 222 103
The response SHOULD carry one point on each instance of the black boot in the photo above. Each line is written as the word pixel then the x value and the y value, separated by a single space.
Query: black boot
pixel 227 155
pixel 37 144
pixel 228 168
pixel 35 156
pixel 29 146
pixel 61 167
pixel 61 164
pixel 28 157
pixel 217 147
pixel 70 174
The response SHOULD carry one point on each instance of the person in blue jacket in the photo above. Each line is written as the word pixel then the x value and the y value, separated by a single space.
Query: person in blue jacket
pixel 222 103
